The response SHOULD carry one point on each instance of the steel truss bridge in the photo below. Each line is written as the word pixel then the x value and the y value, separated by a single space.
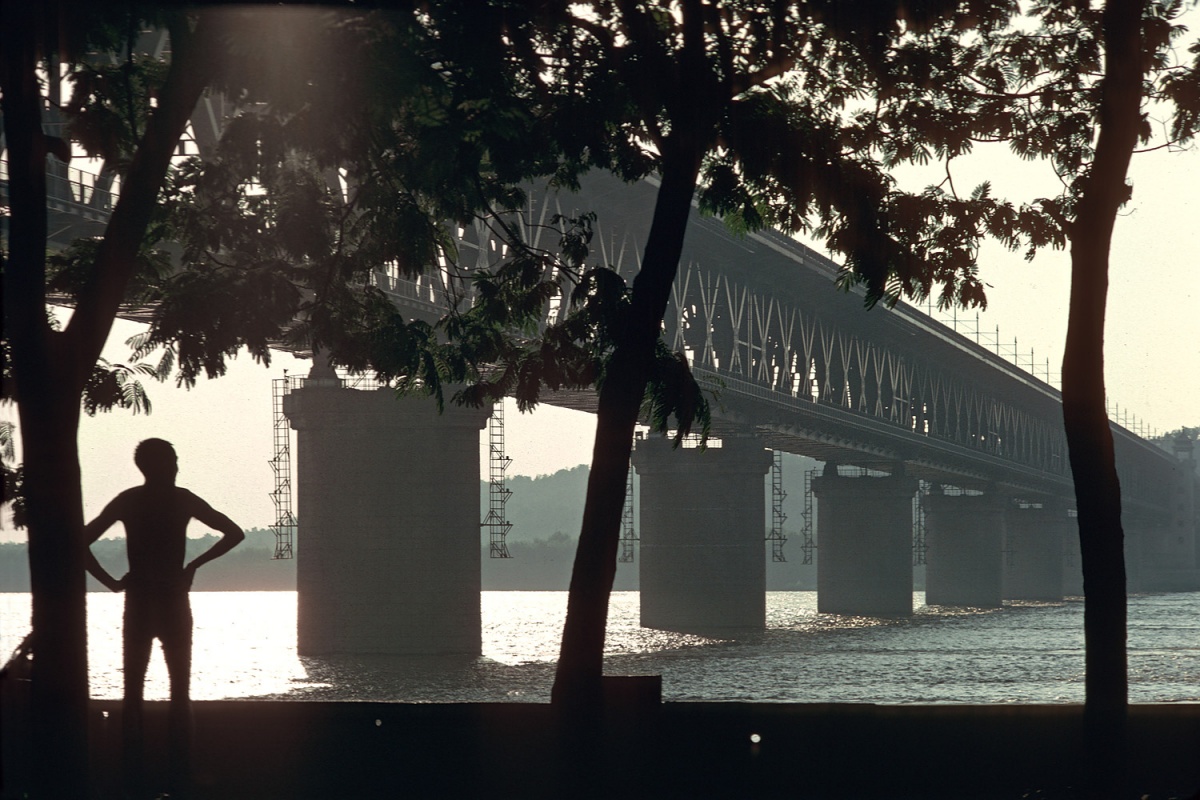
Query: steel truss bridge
pixel 806 367
pixel 787 356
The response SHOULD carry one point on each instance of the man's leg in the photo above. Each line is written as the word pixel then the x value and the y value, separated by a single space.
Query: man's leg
pixel 137 639
pixel 177 651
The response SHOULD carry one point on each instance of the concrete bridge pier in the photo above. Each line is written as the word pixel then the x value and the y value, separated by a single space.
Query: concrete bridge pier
pixel 964 535
pixel 1034 564
pixel 702 525
pixel 1072 560
pixel 1139 536
pixel 864 532
pixel 387 556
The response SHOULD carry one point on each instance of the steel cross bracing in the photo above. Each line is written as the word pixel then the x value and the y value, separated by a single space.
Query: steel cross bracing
pixel 847 388
pixel 776 350
pixel 805 366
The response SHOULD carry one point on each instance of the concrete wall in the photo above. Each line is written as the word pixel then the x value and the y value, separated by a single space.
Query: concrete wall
pixel 388 505
pixel 702 526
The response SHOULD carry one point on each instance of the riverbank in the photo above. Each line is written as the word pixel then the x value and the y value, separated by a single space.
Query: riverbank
pixel 256 749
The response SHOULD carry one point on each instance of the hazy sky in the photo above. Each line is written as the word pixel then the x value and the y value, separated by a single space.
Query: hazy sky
pixel 222 428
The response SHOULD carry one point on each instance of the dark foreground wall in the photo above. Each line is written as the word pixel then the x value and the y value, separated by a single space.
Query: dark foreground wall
pixel 248 749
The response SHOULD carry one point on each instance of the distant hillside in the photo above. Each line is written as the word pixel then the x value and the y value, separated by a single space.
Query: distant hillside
pixel 543 506
pixel 546 512
pixel 247 568
pixel 543 565
pixel 548 504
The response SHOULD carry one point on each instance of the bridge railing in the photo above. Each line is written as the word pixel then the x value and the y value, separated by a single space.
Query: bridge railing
pixel 71 189
pixel 969 325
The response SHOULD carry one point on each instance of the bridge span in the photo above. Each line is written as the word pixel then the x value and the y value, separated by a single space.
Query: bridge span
pixel 891 401
pixel 896 405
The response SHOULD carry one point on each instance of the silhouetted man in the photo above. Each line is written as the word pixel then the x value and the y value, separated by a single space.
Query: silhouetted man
pixel 156 516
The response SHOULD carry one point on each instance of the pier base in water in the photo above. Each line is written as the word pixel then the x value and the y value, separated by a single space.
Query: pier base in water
pixel 703 512
pixel 864 532
pixel 1034 559
pixel 387 556
pixel 965 536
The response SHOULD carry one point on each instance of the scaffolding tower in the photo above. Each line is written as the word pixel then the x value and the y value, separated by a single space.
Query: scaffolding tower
pixel 919 545
pixel 496 522
pixel 776 537
pixel 628 535
pixel 807 545
pixel 281 464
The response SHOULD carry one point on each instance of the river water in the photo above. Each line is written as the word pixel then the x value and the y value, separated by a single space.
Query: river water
pixel 245 646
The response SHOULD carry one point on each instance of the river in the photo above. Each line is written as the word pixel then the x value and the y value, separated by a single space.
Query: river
pixel 245 646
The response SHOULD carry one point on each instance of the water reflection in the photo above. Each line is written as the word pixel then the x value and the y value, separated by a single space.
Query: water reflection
pixel 422 679
pixel 245 646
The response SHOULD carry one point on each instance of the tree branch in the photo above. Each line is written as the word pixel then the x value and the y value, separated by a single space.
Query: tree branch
pixel 188 75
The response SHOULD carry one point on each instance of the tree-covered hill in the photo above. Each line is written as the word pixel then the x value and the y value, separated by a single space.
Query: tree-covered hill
pixel 545 512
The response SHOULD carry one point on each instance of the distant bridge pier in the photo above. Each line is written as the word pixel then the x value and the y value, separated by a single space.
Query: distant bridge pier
pixel 1038 535
pixel 1072 560
pixel 864 532
pixel 964 535
pixel 1140 532
pixel 1172 553
pixel 702 521
pixel 387 556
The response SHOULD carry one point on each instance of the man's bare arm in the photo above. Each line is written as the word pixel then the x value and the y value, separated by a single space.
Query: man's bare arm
pixel 231 534
pixel 93 531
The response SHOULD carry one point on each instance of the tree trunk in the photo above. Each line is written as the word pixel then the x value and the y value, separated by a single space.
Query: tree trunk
pixel 50 369
pixel 59 684
pixel 577 684
pixel 1089 437
pixel 49 416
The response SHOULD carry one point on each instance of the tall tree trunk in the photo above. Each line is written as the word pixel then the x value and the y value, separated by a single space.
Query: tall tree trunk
pixel 577 684
pixel 1089 437
pixel 49 415
pixel 54 505
pixel 50 369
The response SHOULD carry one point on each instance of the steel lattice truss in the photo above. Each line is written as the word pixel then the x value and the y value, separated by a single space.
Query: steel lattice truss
pixel 806 366
pixel 796 356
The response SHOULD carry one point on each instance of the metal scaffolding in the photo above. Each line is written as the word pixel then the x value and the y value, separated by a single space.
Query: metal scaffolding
pixel 807 545
pixel 281 463
pixel 496 522
pixel 628 534
pixel 776 537
pixel 919 546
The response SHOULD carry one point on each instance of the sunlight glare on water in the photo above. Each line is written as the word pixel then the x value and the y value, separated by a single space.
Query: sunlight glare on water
pixel 245 646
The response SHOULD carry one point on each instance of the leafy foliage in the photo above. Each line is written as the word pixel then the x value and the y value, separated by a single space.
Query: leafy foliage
pixel 286 224
pixel 12 474
pixel 1036 86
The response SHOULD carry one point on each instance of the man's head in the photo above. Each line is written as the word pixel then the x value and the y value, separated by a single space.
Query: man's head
pixel 156 459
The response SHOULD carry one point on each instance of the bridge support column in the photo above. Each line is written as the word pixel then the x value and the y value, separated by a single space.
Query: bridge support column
pixel 387 554
pixel 965 536
pixel 864 536
pixel 1172 551
pixel 1034 564
pixel 1138 533
pixel 1072 560
pixel 702 526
